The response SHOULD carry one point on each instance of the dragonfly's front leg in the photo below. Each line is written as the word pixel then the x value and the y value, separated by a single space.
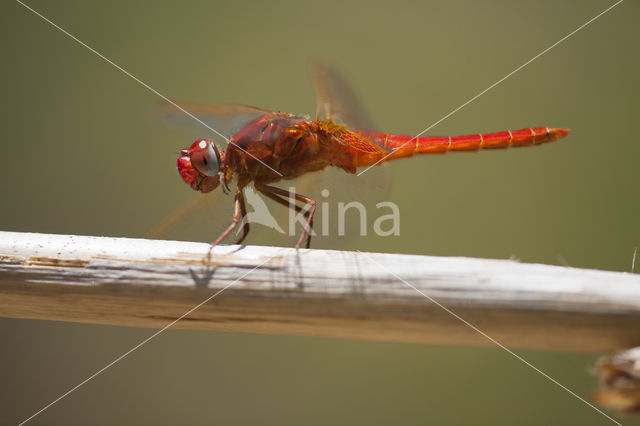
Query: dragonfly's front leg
pixel 239 211
pixel 243 216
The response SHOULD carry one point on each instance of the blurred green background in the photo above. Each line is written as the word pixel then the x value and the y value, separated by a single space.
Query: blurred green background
pixel 84 154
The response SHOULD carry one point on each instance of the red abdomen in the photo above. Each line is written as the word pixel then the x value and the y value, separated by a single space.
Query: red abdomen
pixel 407 146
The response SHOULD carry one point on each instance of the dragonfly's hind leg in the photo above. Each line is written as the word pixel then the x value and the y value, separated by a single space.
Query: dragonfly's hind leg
pixel 280 196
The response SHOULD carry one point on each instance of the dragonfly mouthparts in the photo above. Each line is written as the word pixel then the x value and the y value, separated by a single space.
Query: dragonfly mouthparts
pixel 189 174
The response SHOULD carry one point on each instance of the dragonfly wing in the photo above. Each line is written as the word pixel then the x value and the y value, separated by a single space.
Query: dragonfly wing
pixel 336 99
pixel 221 120
pixel 338 102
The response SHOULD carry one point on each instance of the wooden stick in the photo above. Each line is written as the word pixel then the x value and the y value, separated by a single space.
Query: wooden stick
pixel 353 295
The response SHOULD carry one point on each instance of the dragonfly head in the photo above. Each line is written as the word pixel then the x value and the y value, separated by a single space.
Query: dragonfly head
pixel 199 165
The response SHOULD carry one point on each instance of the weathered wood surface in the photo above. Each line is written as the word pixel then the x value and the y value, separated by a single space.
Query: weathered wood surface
pixel 148 283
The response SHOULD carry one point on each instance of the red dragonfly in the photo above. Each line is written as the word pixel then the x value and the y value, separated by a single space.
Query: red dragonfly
pixel 267 146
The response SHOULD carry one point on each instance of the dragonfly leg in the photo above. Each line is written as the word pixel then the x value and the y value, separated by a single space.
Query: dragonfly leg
pixel 237 217
pixel 243 215
pixel 280 195
pixel 298 209
pixel 224 183
pixel 285 203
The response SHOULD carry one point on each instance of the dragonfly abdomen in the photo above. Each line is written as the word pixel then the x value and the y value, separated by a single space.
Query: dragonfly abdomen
pixel 407 146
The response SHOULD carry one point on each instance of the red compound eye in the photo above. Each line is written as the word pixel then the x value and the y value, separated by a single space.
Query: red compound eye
pixel 205 157
pixel 199 165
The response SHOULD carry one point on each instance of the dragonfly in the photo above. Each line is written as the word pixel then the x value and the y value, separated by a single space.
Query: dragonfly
pixel 265 147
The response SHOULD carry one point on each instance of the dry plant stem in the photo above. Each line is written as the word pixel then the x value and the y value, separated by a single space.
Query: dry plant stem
pixel 149 283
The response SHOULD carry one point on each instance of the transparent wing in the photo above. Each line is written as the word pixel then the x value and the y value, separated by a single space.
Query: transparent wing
pixel 224 119
pixel 191 216
pixel 336 100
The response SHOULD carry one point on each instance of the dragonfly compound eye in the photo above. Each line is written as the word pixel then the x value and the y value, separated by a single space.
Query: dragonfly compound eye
pixel 205 157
